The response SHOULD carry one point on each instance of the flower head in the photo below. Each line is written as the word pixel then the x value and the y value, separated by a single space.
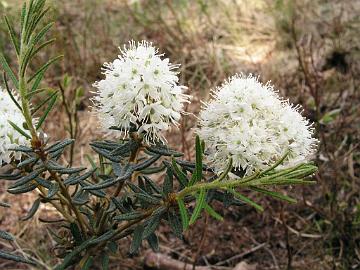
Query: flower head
pixel 249 122
pixel 9 137
pixel 140 90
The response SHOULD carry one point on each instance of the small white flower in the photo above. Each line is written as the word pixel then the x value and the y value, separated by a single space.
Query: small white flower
pixel 249 122
pixel 9 137
pixel 140 89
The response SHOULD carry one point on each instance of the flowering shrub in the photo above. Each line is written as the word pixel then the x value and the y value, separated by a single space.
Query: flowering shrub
pixel 251 138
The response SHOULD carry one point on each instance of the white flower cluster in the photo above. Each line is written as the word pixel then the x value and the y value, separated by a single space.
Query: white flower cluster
pixel 249 122
pixel 140 89
pixel 9 137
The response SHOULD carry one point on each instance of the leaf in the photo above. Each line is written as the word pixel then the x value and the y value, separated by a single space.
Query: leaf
pixel 10 93
pixel 154 222
pixel 274 194
pixel 118 205
pixel 122 149
pixel 129 216
pixel 153 242
pixel 199 206
pixel 20 130
pixel 163 150
pixel 43 102
pixel 6 236
pixel 59 145
pixel 197 175
pixel 47 111
pixel 146 164
pixel 10 176
pixel 247 200
pixel 13 36
pixel 175 224
pixel 212 212
pixel 106 154
pixel 44 67
pixel 26 179
pixel 54 188
pixel 53 166
pixel 15 258
pixel 152 184
pixel 183 214
pixel 36 84
pixel 330 116
pixel 76 233
pixel 81 197
pixel 105 261
pixel 137 239
pixel 22 148
pixel 73 180
pixel 28 161
pixel 109 183
pixel 153 170
pixel 88 263
pixel 23 189
pixel 2 204
pixel 147 198
pixel 168 185
pixel 32 211
pixel 9 71
pixel 180 175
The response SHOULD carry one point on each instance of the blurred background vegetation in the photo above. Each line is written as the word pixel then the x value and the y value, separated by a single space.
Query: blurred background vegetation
pixel 310 50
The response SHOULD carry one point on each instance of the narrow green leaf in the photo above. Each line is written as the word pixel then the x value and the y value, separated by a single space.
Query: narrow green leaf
pixel 88 263
pixel 41 34
pixel 33 210
pixel 180 175
pixel 10 93
pixel 129 216
pixel 54 188
pixel 41 46
pixel 6 236
pixel 37 82
pixel 153 242
pixel 274 194
pixel 105 261
pixel 154 221
pixel 76 233
pixel 23 189
pixel 164 151
pixel 44 67
pixel 43 102
pixel 198 164
pixel 146 164
pixel 46 113
pixel 199 206
pixel 147 198
pixel 15 258
pixel 27 162
pixel 247 200
pixel 13 36
pixel 137 239
pixel 183 214
pixel 20 130
pixel 152 184
pixel 8 70
pixel 27 178
pixel 212 212
pixel 23 14
pixel 168 185
pixel 175 224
